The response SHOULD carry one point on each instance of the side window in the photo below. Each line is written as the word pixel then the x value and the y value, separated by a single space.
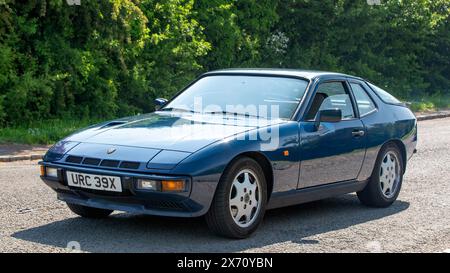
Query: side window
pixel 384 95
pixel 364 102
pixel 331 95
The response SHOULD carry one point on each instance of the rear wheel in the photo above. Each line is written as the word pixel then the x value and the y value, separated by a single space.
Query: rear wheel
pixel 240 200
pixel 386 180
pixel 89 212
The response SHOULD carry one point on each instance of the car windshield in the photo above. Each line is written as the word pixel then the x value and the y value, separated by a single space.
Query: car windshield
pixel 259 96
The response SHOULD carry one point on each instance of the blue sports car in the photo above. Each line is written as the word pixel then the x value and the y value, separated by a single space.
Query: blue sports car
pixel 235 143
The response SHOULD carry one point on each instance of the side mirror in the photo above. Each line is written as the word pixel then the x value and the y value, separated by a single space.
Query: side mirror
pixel 159 102
pixel 329 115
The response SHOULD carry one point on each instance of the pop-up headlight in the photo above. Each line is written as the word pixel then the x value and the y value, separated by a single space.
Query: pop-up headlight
pixel 57 151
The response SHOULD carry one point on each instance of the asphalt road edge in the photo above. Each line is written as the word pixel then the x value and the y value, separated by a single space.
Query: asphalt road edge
pixel 11 158
pixel 433 116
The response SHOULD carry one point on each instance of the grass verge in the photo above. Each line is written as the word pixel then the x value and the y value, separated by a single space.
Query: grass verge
pixel 42 132
pixel 430 103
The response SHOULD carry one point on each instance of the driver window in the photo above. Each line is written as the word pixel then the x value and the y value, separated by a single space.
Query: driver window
pixel 331 95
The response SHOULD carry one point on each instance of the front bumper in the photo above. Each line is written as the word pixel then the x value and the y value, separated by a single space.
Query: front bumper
pixel 131 199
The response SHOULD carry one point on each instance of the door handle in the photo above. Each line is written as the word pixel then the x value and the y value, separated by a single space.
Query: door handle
pixel 358 133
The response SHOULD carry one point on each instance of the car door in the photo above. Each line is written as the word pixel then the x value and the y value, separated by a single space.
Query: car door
pixel 334 151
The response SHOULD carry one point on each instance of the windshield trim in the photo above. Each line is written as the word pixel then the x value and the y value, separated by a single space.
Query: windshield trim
pixel 268 75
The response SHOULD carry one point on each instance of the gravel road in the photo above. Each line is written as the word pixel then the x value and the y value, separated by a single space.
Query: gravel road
pixel 32 220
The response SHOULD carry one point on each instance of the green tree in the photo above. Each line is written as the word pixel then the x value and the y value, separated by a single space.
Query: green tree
pixel 237 31
pixel 110 58
pixel 98 59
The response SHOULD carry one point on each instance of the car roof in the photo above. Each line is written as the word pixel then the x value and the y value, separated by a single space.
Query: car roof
pixel 307 74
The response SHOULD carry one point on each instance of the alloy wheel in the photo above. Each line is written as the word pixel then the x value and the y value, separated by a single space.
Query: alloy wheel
pixel 389 174
pixel 245 198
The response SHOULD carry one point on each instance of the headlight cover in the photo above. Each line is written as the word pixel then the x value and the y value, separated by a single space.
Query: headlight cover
pixel 166 160
pixel 57 151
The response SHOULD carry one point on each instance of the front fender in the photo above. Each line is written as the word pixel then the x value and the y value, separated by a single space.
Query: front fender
pixel 279 144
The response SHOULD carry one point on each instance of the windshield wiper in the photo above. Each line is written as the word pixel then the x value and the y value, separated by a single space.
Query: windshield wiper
pixel 232 113
pixel 175 109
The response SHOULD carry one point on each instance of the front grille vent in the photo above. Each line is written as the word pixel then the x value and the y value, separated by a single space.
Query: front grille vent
pixel 91 161
pixel 104 163
pixel 171 205
pixel 74 159
pixel 110 163
pixel 129 165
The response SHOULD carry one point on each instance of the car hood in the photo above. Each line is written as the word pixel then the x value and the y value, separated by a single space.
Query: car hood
pixel 168 131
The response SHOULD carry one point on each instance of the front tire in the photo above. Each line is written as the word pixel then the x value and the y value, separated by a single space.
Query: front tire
pixel 386 180
pixel 89 212
pixel 240 200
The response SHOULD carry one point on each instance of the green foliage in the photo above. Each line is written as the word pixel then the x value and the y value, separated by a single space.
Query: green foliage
pixel 97 60
pixel 237 31
pixel 430 103
pixel 402 46
pixel 110 58
pixel 423 106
